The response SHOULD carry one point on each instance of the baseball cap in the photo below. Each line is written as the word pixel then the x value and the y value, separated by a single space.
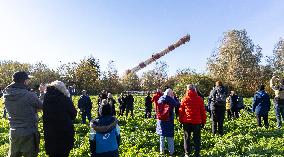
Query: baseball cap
pixel 20 76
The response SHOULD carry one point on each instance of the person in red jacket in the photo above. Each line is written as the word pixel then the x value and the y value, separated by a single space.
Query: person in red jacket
pixel 192 116
pixel 155 99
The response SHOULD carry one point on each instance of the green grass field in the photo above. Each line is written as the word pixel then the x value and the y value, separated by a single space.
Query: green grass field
pixel 242 137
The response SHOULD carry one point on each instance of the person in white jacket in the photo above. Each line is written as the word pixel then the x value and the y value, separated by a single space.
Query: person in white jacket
pixel 279 98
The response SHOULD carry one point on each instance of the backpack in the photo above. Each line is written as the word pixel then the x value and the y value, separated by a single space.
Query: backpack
pixel 220 97
pixel 163 112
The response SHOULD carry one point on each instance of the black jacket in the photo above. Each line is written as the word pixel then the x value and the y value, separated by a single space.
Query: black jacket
pixel 85 103
pixel 234 102
pixel 58 115
pixel 213 94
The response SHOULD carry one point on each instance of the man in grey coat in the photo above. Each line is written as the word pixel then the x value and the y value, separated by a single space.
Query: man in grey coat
pixel 22 106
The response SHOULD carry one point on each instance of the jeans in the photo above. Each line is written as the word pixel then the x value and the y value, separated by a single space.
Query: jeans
pixel 279 110
pixel 217 117
pixel 265 119
pixel 86 114
pixel 170 141
pixel 279 113
pixel 196 130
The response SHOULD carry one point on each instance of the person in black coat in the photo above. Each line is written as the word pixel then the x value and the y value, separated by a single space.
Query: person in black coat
pixel 234 104
pixel 130 105
pixel 122 105
pixel 218 107
pixel 102 96
pixel 58 116
pixel 112 103
pixel 85 106
pixel 148 106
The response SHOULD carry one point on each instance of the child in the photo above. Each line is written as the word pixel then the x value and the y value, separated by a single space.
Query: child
pixel 105 133
pixel 228 108
pixel 234 104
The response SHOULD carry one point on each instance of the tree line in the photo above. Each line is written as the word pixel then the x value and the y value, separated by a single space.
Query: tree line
pixel 236 61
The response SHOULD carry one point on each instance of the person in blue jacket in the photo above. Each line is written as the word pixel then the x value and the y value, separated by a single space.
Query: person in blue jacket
pixel 105 133
pixel 261 106
pixel 165 129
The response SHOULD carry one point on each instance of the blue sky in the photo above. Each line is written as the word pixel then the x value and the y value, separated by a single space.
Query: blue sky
pixel 129 31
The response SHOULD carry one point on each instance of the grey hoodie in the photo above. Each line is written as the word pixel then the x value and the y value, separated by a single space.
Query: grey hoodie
pixel 21 106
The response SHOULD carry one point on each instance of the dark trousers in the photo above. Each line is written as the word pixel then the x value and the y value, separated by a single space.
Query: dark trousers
pixel 229 113
pixel 121 111
pixel 148 112
pixel 188 130
pixel 86 114
pixel 217 117
pixel 129 109
pixel 235 113
pixel 265 119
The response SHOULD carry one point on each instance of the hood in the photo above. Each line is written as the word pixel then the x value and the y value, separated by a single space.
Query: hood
pixel 15 91
pixel 169 92
pixel 104 124
pixel 52 94
pixel 60 86
pixel 191 95
pixel 165 99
